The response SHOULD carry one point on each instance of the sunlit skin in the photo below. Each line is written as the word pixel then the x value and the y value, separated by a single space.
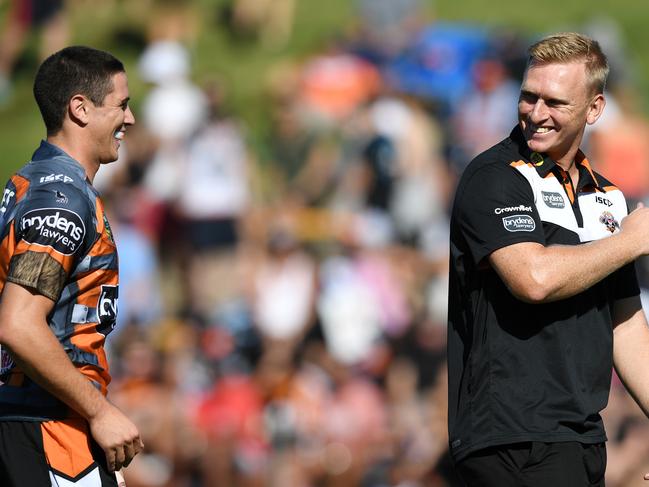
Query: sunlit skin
pixel 554 107
pixel 92 133
pixel 111 119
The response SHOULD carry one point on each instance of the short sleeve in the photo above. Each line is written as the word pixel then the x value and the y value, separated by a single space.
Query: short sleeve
pixel 495 208
pixel 50 230
pixel 623 283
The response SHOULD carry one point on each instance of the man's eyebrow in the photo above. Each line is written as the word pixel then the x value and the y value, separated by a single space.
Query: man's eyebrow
pixel 553 100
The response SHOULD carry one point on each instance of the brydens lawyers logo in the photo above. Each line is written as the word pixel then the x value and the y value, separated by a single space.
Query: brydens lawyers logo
pixel 519 223
pixel 61 229
pixel 553 200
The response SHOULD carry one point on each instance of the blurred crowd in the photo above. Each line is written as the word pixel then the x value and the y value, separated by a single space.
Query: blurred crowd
pixel 283 305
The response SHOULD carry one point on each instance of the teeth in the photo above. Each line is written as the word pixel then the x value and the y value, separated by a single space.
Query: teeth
pixel 542 130
pixel 119 135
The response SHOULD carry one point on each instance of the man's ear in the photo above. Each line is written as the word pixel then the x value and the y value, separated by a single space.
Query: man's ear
pixel 595 109
pixel 79 109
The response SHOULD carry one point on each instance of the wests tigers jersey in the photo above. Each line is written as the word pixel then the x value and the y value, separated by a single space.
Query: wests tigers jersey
pixel 56 241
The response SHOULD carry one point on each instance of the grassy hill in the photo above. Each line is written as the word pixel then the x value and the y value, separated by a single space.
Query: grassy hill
pixel 121 26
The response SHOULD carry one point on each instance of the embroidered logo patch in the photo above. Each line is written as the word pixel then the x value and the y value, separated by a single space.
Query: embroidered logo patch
pixel 609 220
pixel 519 223
pixel 109 231
pixel 58 228
pixel 537 159
pixel 60 197
pixel 553 200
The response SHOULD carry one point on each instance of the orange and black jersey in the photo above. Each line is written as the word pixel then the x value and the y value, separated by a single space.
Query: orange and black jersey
pixel 56 241
pixel 518 371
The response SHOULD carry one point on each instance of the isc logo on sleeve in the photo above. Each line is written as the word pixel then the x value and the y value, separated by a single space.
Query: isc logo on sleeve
pixel 58 228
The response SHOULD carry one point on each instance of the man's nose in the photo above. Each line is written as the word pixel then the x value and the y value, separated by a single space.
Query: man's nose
pixel 129 118
pixel 539 111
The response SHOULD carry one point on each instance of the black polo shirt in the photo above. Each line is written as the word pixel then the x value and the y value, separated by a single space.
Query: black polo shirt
pixel 519 371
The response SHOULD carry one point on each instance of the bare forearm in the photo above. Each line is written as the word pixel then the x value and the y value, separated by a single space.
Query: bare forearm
pixel 538 274
pixel 40 356
pixel 26 334
pixel 631 356
pixel 566 270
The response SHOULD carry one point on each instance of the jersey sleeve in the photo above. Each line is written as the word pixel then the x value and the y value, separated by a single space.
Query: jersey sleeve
pixel 623 283
pixel 50 230
pixel 496 208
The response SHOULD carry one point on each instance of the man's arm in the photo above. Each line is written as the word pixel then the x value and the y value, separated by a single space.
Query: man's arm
pixel 25 333
pixel 631 350
pixel 538 274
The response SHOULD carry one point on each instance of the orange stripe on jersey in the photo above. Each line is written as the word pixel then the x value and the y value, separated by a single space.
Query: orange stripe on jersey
pixel 103 246
pixel 7 248
pixel 581 159
pixel 611 188
pixel 89 292
pixel 568 188
pixel 21 185
pixel 100 378
pixel 519 163
pixel 66 446
pixel 66 261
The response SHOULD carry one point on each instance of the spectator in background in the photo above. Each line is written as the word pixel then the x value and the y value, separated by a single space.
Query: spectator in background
pixel 269 21
pixel 200 172
pixel 214 194
pixel 620 146
pixel 486 113
pixel 25 16
pixel 283 290
pixel 385 28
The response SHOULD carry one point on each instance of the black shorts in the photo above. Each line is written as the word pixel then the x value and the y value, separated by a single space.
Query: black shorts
pixel 51 453
pixel 533 464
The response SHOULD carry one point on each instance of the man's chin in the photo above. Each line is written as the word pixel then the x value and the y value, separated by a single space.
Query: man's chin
pixel 536 146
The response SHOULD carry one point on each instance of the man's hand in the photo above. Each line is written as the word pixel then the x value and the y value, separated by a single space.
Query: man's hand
pixel 116 435
pixel 636 225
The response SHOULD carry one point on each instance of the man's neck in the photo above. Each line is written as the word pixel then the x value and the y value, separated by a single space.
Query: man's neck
pixel 76 151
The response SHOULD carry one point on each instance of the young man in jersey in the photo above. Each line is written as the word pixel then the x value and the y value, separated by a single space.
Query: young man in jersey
pixel 58 273
pixel 544 299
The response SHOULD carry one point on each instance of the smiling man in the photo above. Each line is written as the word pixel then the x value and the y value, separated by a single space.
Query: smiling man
pixel 59 282
pixel 543 298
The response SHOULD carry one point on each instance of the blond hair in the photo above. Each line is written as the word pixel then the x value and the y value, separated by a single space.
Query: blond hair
pixel 571 47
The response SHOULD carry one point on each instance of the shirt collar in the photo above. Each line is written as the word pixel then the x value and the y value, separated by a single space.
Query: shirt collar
pixel 544 164
pixel 48 151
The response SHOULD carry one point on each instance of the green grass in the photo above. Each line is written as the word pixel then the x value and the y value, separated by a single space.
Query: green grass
pixel 244 66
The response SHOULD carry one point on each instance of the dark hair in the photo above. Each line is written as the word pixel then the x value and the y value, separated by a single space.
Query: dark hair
pixel 70 71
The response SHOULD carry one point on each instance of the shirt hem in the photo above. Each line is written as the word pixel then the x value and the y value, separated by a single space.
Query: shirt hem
pixel 460 453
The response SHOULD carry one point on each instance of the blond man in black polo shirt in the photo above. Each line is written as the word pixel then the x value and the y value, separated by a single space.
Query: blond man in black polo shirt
pixel 544 298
